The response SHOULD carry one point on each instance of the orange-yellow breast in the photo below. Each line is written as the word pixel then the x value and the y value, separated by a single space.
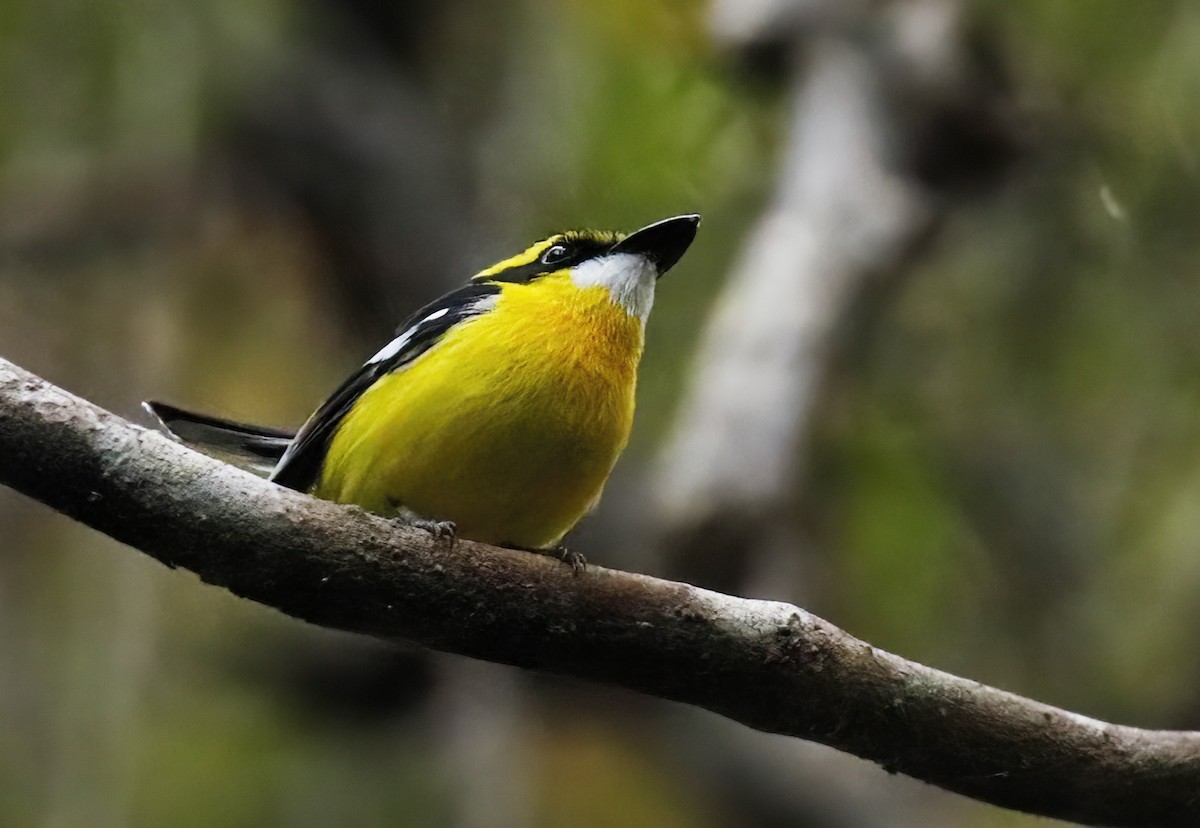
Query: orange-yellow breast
pixel 509 426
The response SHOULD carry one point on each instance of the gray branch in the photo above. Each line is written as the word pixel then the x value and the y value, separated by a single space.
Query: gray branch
pixel 769 665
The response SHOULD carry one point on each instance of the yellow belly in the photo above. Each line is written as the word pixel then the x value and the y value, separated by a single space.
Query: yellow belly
pixel 509 426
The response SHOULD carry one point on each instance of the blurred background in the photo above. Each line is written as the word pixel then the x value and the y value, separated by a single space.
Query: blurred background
pixel 931 370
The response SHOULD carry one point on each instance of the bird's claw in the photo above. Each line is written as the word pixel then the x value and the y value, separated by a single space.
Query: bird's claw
pixel 442 530
pixel 571 558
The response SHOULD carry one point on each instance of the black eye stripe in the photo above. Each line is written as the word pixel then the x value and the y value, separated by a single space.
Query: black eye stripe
pixel 523 273
pixel 576 251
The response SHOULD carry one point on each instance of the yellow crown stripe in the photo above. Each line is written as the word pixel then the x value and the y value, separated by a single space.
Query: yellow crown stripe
pixel 526 257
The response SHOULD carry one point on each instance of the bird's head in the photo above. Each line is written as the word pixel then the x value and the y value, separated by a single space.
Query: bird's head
pixel 626 265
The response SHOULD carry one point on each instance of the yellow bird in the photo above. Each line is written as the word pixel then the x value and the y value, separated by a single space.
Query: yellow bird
pixel 498 411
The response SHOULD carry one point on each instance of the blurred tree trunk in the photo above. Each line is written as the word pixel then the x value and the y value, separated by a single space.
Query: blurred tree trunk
pixel 891 112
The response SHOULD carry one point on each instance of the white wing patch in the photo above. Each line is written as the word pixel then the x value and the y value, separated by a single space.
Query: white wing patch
pixel 628 277
pixel 392 348
pixel 397 345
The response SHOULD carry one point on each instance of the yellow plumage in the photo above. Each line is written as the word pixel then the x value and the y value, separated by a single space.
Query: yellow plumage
pixel 509 426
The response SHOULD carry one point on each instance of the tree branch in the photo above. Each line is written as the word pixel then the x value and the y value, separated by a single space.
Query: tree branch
pixel 769 665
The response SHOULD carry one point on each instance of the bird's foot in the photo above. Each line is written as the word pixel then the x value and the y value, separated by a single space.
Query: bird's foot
pixel 442 530
pixel 570 557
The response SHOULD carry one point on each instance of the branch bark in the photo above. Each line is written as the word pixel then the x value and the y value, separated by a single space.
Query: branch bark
pixel 769 665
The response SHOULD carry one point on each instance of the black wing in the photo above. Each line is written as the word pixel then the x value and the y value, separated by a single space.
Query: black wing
pixel 300 465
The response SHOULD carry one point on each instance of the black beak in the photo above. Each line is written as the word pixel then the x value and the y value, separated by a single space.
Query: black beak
pixel 663 242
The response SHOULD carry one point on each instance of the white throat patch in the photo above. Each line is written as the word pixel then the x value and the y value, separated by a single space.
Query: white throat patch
pixel 628 277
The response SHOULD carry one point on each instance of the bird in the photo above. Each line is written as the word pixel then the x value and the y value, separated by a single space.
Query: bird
pixel 497 412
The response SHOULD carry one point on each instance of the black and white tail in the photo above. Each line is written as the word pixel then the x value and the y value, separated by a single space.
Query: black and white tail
pixel 254 448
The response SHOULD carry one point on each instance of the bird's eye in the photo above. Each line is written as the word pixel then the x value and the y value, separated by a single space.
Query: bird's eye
pixel 555 254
